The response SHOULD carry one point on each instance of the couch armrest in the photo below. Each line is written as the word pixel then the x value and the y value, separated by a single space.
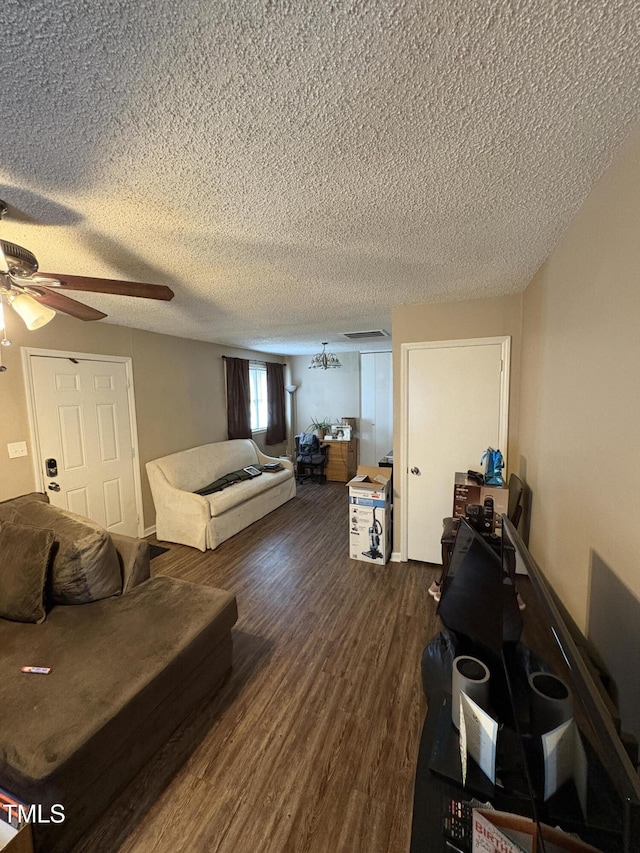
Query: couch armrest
pixel 180 516
pixel 263 459
pixel 133 555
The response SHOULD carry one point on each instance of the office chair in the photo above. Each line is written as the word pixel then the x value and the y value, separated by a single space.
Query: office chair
pixel 450 528
pixel 311 458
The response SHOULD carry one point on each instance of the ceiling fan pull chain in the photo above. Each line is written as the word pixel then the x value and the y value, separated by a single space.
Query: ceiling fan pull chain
pixel 5 341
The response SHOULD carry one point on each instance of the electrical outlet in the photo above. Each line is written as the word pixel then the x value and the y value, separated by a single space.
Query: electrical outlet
pixel 16 449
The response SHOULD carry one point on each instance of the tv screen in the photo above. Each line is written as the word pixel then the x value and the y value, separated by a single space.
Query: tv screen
pixel 478 597
pixel 612 820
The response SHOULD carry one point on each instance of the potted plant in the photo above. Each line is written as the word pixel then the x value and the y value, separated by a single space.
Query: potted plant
pixel 319 426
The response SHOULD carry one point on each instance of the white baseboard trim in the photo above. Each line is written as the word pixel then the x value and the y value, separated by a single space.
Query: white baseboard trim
pixel 395 557
pixel 149 531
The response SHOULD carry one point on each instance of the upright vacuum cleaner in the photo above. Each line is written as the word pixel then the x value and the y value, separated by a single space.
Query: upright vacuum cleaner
pixel 375 531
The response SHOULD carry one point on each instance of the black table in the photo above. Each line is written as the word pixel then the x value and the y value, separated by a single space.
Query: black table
pixel 433 791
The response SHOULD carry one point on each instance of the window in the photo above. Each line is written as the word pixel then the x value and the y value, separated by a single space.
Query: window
pixel 258 391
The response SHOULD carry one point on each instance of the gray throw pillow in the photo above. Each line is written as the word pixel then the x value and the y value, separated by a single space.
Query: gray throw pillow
pixel 24 560
pixel 85 565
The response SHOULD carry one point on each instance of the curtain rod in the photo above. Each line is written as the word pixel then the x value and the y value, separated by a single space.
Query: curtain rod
pixel 255 360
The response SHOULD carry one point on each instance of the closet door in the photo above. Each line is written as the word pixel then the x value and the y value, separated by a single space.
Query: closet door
pixel 456 400
pixel 376 406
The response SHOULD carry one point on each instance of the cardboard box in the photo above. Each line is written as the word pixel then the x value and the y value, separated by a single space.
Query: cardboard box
pixel 501 832
pixel 466 491
pixel 370 515
pixel 16 840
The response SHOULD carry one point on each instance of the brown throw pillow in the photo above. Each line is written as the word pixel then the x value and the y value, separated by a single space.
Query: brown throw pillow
pixel 85 565
pixel 24 560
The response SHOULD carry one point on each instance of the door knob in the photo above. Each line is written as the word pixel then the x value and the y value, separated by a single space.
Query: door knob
pixel 54 487
pixel 415 471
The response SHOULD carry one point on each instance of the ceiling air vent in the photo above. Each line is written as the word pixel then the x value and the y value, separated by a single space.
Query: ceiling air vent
pixel 374 333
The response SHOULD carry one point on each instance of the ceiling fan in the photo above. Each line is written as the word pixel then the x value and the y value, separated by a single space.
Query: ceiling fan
pixel 36 298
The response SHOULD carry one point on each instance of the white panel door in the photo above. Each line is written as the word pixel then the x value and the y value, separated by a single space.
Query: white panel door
pixel 83 428
pixel 455 410
pixel 376 406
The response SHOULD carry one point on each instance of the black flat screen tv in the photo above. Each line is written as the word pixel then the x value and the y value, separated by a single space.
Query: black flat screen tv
pixel 479 605
pixel 478 597
pixel 612 821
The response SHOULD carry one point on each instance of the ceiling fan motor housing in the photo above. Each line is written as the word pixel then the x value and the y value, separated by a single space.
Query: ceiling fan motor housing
pixel 18 268
pixel 20 260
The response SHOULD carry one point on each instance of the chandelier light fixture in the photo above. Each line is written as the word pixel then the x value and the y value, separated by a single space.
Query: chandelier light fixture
pixel 324 360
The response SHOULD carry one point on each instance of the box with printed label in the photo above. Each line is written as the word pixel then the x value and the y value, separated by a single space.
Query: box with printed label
pixel 16 840
pixel 502 832
pixel 370 515
pixel 466 491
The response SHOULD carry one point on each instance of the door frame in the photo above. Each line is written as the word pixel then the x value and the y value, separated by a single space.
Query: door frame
pixel 503 429
pixel 27 354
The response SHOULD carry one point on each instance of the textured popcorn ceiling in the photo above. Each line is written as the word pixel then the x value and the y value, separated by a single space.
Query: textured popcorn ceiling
pixel 294 169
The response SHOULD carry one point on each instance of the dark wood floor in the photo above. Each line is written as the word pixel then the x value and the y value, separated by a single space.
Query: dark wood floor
pixel 311 745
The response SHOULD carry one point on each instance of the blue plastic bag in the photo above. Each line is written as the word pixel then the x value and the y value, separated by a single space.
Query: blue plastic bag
pixel 493 465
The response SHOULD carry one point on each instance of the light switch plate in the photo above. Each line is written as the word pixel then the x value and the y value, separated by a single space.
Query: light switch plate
pixel 16 449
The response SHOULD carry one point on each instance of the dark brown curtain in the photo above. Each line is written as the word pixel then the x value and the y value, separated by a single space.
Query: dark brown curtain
pixel 276 418
pixel 238 398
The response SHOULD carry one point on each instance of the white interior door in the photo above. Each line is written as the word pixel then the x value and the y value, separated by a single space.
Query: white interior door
pixel 84 439
pixel 456 406
pixel 376 406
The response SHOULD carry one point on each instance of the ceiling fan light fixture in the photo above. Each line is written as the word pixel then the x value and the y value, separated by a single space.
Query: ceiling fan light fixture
pixel 33 314
pixel 324 360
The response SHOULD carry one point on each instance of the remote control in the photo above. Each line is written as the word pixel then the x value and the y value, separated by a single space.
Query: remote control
pixel 457 823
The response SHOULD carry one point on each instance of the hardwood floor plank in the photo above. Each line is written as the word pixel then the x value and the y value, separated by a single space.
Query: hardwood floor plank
pixel 364 827
pixel 311 744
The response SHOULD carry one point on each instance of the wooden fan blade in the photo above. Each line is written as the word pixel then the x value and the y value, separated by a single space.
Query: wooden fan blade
pixel 59 302
pixel 109 285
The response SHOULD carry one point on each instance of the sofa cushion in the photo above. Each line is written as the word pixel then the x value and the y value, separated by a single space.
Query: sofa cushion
pixel 85 565
pixel 24 560
pixel 240 492
pixel 112 663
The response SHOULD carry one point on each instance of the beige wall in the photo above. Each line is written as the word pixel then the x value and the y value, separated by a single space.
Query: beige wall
pixel 334 393
pixel 475 318
pixel 580 398
pixel 179 388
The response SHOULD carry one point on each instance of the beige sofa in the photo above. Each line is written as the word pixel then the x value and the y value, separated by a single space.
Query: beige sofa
pixel 130 656
pixel 204 521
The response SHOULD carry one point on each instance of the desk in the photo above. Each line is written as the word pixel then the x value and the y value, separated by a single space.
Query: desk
pixel 343 460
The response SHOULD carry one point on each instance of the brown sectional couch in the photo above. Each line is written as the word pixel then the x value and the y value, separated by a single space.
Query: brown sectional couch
pixel 126 671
